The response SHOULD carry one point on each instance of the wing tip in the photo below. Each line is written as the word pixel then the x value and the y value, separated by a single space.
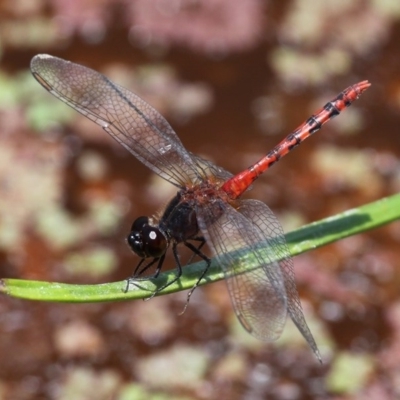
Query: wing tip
pixel 40 60
pixel 43 55
pixel 37 60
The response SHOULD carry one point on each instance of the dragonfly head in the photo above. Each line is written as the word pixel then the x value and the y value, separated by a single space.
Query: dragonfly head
pixel 146 240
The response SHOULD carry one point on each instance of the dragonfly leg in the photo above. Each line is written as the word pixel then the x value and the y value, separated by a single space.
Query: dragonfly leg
pixel 158 269
pixel 136 276
pixel 197 252
pixel 133 276
pixel 202 243
pixel 147 266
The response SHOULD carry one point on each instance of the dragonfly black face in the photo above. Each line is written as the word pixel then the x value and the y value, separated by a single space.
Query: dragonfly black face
pixel 150 241
pixel 146 240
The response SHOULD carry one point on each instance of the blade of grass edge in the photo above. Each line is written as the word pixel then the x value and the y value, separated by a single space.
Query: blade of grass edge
pixel 308 237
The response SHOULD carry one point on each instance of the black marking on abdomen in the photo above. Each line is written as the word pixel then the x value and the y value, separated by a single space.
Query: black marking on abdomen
pixel 274 154
pixel 331 109
pixel 314 124
pixel 294 137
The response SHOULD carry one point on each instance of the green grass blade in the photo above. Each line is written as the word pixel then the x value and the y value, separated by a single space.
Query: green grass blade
pixel 309 237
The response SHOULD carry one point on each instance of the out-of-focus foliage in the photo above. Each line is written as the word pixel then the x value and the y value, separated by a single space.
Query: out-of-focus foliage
pixel 222 72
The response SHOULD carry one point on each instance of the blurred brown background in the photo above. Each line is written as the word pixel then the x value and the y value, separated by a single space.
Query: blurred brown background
pixel 232 78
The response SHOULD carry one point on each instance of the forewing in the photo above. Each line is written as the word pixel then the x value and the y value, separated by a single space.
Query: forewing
pixel 209 169
pixel 126 117
pixel 252 272
pixel 267 223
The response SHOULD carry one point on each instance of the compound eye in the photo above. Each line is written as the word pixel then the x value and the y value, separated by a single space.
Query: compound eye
pixel 155 241
pixel 135 241
pixel 139 223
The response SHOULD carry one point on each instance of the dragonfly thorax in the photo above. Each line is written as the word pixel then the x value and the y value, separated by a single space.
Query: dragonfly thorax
pixel 146 240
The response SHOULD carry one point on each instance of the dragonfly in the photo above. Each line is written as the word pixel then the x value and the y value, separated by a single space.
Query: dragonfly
pixel 244 235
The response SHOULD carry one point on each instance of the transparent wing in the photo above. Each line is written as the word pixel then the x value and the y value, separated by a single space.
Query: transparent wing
pixel 126 117
pixel 253 275
pixel 208 168
pixel 262 217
